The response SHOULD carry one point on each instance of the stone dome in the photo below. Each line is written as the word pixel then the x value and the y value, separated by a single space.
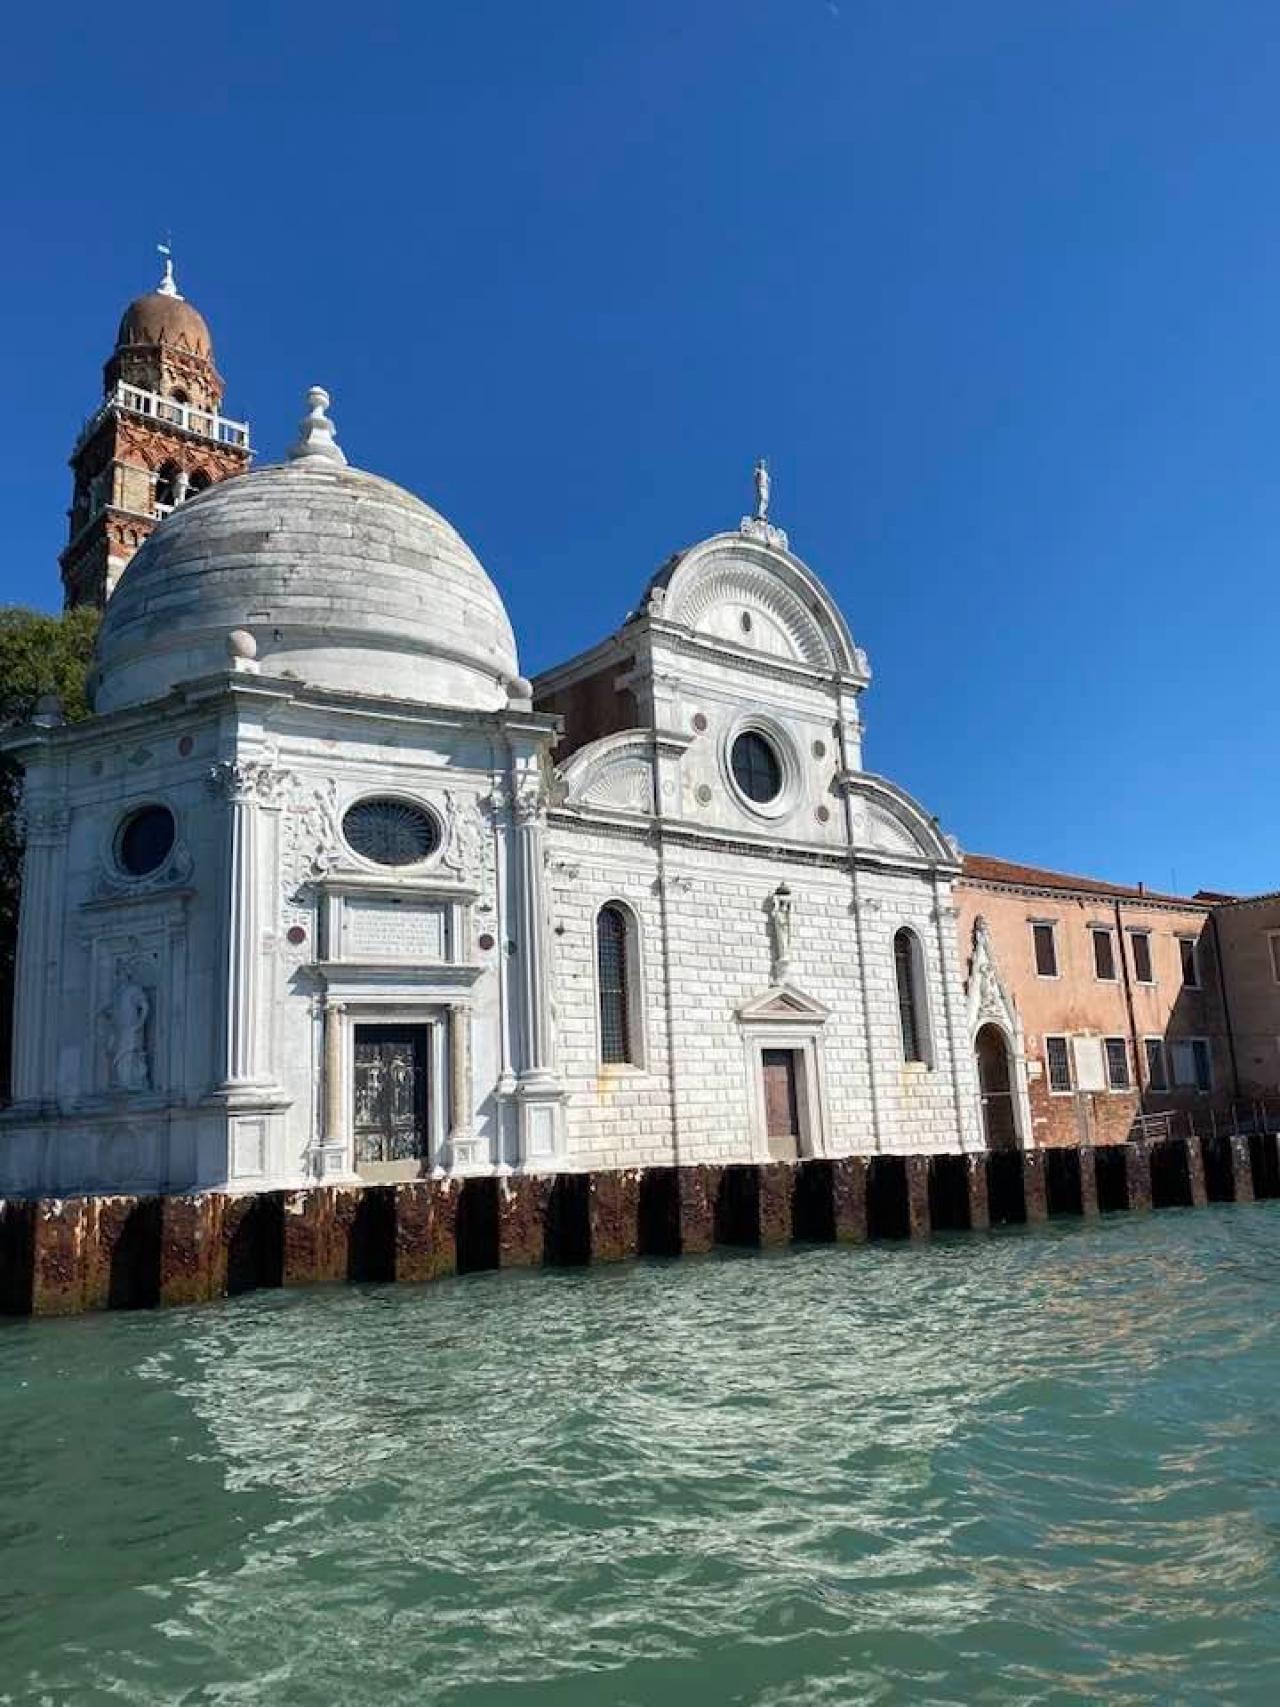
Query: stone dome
pixel 163 318
pixel 341 579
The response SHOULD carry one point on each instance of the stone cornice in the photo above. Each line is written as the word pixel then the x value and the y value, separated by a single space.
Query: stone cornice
pixel 1085 897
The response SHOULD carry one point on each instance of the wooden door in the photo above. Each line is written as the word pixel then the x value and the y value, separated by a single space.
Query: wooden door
pixel 781 1104
pixel 390 1093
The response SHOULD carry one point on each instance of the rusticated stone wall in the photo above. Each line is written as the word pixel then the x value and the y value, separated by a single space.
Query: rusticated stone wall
pixel 62 1256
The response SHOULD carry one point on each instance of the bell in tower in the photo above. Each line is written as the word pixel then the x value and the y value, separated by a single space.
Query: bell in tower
pixel 157 439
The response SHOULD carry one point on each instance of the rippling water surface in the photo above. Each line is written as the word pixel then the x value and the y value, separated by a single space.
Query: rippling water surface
pixel 1038 1467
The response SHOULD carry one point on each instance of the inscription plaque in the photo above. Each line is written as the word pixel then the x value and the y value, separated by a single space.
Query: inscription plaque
pixel 392 930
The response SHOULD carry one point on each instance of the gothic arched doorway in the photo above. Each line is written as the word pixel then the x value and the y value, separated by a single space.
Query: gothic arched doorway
pixel 995 1081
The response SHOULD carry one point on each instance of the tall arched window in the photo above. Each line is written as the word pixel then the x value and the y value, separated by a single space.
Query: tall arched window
pixel 613 978
pixel 167 484
pixel 911 1008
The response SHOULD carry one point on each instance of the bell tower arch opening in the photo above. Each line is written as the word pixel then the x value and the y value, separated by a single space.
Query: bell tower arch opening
pixel 157 437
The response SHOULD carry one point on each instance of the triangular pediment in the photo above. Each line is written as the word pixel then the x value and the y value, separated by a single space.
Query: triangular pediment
pixel 784 1004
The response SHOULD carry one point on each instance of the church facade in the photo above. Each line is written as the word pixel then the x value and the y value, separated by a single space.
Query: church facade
pixel 325 889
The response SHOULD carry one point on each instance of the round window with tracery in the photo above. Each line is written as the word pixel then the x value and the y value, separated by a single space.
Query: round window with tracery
pixel 391 832
pixel 756 768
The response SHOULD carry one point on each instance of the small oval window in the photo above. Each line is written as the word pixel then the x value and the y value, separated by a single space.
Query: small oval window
pixel 391 832
pixel 756 769
pixel 145 840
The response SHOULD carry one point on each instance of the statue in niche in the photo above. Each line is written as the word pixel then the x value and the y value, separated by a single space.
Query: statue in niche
pixel 125 1036
pixel 778 908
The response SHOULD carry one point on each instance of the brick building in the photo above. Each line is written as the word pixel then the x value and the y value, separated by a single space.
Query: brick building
pixel 1095 1004
pixel 156 438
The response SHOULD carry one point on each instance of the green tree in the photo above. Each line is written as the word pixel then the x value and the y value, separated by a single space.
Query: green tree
pixel 39 654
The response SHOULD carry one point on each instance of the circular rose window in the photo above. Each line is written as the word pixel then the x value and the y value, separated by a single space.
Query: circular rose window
pixel 145 840
pixel 391 832
pixel 756 768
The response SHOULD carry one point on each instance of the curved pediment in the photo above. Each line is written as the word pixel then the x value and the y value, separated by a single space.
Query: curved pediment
pixel 887 820
pixel 614 773
pixel 748 593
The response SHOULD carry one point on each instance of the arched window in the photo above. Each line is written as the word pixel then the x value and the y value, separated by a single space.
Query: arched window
pixel 199 482
pixel 167 484
pixel 613 976
pixel 911 1005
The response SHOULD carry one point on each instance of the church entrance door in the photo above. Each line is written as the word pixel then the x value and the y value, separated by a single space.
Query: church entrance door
pixel 998 1125
pixel 390 1094
pixel 781 1104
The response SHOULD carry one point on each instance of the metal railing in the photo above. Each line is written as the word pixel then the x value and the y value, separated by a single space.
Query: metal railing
pixel 207 423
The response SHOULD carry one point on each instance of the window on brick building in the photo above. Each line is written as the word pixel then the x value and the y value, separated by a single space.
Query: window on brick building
pixel 1140 948
pixel 1273 940
pixel 167 484
pixel 1045 942
pixel 1117 1064
pixel 1190 962
pixel 909 970
pixel 1104 954
pixel 614 966
pixel 1058 1063
pixel 1157 1067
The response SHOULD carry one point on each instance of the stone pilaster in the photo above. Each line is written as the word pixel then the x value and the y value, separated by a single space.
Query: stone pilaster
pixel 539 1093
pixel 39 934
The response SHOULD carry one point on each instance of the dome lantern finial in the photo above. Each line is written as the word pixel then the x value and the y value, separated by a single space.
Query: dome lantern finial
pixel 316 436
pixel 168 285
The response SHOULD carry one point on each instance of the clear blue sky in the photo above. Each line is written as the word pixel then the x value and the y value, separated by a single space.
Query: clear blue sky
pixel 995 285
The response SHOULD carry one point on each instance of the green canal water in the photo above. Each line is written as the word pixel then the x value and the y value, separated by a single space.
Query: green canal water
pixel 1042 1466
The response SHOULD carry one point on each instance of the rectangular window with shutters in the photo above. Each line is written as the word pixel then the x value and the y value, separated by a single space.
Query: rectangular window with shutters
pixel 1104 954
pixel 1190 962
pixel 1273 939
pixel 1192 1064
pixel 1045 943
pixel 1140 949
pixel 1117 1064
pixel 1157 1069
pixel 1058 1063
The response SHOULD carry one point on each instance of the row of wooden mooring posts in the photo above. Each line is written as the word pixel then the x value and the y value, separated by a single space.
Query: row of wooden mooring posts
pixel 66 1255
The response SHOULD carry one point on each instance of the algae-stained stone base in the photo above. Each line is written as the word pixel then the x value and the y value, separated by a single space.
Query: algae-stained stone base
pixel 1034 1195
pixel 313 1251
pixel 1088 1181
pixel 1241 1170
pixel 775 1195
pixel 615 1215
pixel 522 1219
pixel 699 1189
pixel 1137 1168
pixel 426 1229
pixel 975 1168
pixel 849 1199
pixel 58 1266
pixel 917 1171
pixel 190 1235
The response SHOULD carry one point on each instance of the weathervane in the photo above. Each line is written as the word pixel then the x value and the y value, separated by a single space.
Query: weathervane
pixel 168 285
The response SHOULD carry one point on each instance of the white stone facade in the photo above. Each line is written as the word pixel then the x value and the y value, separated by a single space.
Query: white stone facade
pixel 243 1012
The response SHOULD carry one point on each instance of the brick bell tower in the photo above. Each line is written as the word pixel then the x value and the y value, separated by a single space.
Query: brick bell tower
pixel 156 439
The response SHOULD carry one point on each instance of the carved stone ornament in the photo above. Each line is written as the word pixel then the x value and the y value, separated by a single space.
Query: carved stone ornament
pixel 249 779
pixel 987 998
pixel 468 846
pixel 309 844
pixel 171 873
pixel 756 527
pixel 778 910
pixel 124 1033
pixel 44 821
pixel 530 803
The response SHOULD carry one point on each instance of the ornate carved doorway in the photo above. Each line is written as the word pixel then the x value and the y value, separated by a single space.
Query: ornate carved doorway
pixel 998 1125
pixel 781 1104
pixel 390 1095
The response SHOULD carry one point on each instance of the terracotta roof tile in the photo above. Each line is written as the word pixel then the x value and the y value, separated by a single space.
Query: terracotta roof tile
pixel 982 868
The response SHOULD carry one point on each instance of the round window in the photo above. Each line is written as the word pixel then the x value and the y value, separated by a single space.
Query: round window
pixel 145 840
pixel 391 832
pixel 756 768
